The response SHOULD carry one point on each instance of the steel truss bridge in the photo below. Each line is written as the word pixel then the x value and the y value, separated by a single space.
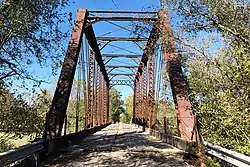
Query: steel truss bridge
pixel 101 75
pixel 96 75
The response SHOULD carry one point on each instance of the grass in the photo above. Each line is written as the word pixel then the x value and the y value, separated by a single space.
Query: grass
pixel 15 141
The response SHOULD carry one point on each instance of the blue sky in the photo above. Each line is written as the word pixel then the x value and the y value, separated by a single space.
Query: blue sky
pixel 100 29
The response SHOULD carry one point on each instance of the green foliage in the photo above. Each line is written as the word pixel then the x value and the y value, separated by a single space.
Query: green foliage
pixel 20 119
pixel 212 163
pixel 115 105
pixel 4 145
pixel 219 81
pixel 129 109
pixel 244 149
pixel 117 114
pixel 220 96
pixel 42 102
pixel 170 116
pixel 126 117
pixel 17 116
pixel 75 108
pixel 223 104
pixel 230 17
pixel 30 32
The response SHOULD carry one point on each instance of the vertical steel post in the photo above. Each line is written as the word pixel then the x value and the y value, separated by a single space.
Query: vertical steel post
pixel 65 125
pixel 91 93
pixel 140 100
pixel 165 124
pixel 185 117
pixel 77 123
pixel 137 114
pixel 98 95
pixel 134 102
pixel 78 96
pixel 105 104
pixel 100 100
pixel 107 110
pixel 95 95
pixel 151 87
pixel 144 114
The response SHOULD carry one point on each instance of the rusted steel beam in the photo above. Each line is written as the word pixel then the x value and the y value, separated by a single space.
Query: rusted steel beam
pixel 65 125
pixel 145 104
pixel 121 82
pixel 104 103
pixel 185 117
pixel 121 18
pixel 140 100
pixel 120 39
pixel 137 102
pixel 122 66
pixel 90 35
pixel 151 88
pixel 121 55
pixel 101 102
pixel 134 102
pixel 98 97
pixel 148 59
pixel 125 12
pixel 107 103
pixel 95 94
pixel 114 74
pixel 154 36
pixel 56 114
pixel 105 98
pixel 91 91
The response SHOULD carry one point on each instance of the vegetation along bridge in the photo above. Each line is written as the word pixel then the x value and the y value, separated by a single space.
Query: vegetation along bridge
pixel 148 140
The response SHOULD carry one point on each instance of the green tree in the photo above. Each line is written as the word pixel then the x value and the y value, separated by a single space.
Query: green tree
pixel 220 98
pixel 75 107
pixel 4 144
pixel 125 116
pixel 171 120
pixel 115 104
pixel 218 80
pixel 229 17
pixel 17 116
pixel 129 107
pixel 30 32
pixel 42 102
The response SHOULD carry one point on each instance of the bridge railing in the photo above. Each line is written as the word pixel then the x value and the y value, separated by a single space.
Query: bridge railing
pixel 229 156
pixel 226 155
pixel 27 151
pixel 29 155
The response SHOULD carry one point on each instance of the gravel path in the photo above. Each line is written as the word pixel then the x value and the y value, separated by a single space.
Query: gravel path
pixel 120 145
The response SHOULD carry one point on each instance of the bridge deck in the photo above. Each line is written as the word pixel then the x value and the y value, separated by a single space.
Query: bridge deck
pixel 120 145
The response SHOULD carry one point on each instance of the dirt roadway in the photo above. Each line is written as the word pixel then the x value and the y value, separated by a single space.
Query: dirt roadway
pixel 120 145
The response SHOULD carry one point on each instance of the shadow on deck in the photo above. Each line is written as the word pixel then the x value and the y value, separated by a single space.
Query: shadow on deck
pixel 129 147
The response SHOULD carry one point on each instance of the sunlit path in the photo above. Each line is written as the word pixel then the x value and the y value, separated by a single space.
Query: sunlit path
pixel 120 145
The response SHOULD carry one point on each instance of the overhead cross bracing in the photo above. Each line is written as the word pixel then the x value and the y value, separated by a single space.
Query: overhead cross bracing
pixel 121 55
pixel 96 16
pixel 122 66
pixel 120 39
pixel 121 74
